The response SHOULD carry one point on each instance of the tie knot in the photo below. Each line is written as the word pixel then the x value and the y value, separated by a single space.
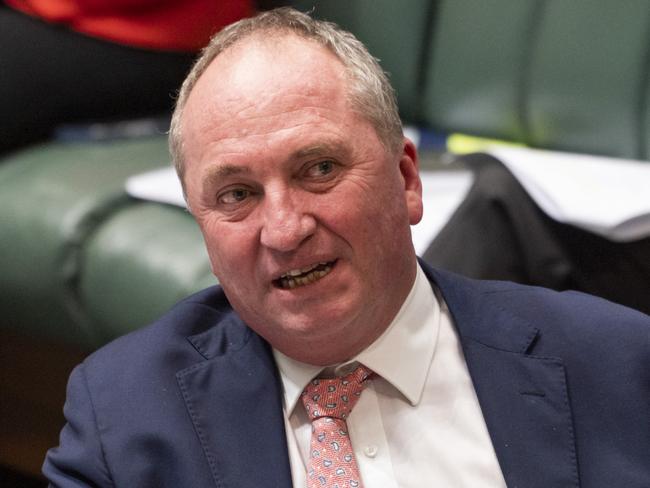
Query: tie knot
pixel 334 397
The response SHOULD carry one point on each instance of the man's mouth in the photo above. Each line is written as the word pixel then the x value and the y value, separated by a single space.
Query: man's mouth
pixel 304 276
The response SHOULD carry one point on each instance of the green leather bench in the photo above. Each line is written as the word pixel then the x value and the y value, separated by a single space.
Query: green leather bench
pixel 81 262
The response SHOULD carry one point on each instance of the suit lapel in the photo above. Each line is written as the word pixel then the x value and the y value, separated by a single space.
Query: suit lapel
pixel 232 397
pixel 523 398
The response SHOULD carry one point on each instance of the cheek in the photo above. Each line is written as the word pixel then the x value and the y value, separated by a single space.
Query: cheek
pixel 363 210
pixel 356 220
pixel 343 214
pixel 230 248
pixel 383 227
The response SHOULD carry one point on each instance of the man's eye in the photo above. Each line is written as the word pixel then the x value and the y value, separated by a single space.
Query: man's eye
pixel 236 195
pixel 321 168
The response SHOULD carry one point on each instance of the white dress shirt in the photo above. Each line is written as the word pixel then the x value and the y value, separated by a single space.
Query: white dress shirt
pixel 418 423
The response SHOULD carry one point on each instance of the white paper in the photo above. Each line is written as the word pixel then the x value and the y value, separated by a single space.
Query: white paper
pixel 442 193
pixel 607 196
pixel 159 185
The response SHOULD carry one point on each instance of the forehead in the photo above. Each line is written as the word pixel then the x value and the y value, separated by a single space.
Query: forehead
pixel 258 76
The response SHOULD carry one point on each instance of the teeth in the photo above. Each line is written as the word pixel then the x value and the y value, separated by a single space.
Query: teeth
pixel 298 272
pixel 304 276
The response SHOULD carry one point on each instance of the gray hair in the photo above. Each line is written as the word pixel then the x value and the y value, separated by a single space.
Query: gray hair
pixel 371 94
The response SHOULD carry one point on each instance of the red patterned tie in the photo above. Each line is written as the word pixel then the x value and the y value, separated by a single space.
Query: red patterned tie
pixel 328 403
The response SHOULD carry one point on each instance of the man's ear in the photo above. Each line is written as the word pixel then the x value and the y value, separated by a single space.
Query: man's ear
pixel 409 169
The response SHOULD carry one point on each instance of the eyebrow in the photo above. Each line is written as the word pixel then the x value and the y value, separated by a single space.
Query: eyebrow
pixel 225 170
pixel 319 150
pixel 315 150
pixel 218 173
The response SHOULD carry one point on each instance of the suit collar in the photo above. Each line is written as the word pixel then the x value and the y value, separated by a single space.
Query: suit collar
pixel 229 336
pixel 524 398
pixel 480 316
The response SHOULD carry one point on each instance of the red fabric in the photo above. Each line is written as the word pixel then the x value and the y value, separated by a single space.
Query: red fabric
pixel 170 25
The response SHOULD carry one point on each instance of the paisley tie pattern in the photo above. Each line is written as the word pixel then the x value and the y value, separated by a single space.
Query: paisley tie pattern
pixel 328 403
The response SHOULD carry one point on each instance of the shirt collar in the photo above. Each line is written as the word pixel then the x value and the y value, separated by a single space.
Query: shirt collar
pixel 401 355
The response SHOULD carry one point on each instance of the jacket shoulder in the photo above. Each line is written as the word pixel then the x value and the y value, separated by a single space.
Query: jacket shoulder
pixel 562 318
pixel 166 342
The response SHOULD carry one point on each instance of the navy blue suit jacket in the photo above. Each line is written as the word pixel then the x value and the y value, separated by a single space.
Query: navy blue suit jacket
pixel 563 380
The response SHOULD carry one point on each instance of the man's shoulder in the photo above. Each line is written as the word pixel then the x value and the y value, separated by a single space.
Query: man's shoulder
pixel 563 318
pixel 167 342
pixel 566 307
pixel 527 298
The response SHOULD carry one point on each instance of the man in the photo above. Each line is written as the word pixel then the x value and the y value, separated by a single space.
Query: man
pixel 290 151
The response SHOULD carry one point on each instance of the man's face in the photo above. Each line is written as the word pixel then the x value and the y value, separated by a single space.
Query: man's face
pixel 304 212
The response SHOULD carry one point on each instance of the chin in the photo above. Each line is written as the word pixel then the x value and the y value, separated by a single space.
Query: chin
pixel 314 324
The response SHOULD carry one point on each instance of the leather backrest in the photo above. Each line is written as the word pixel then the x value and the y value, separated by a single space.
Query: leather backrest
pixel 559 74
pixel 474 70
pixel 588 77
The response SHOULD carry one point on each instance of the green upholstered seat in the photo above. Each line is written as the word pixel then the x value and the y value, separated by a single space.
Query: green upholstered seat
pixel 55 199
pixel 140 261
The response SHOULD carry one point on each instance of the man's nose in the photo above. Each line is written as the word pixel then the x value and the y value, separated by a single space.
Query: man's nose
pixel 286 224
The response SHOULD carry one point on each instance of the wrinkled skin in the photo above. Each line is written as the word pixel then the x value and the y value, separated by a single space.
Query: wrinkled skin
pixel 282 174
